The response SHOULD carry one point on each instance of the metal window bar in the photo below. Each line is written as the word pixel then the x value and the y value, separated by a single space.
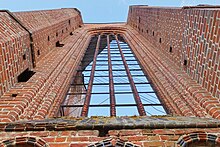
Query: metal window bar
pixel 118 65
pixel 111 82
pixel 89 89
pixel 107 105
pixel 121 83
pixel 134 89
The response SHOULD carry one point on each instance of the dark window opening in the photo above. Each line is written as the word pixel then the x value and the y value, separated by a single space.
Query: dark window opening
pixel 153 33
pixel 71 33
pixel 62 31
pixel 57 34
pixel 160 40
pixel 171 49
pixel 103 132
pixel 80 26
pixel 147 31
pixel 139 20
pixel 24 57
pixel 48 38
pixel 110 82
pixel 25 75
pixel 58 44
pixel 185 62
pixel 14 95
pixel 38 52
pixel 69 22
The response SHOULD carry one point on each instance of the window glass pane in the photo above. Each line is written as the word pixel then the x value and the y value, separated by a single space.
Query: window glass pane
pixel 124 99
pixel 115 67
pixel 98 99
pixel 100 89
pixel 121 80
pixel 144 87
pixel 99 80
pixel 149 98
pixel 119 73
pixel 154 110
pixel 103 73
pixel 126 111
pixel 123 87
pixel 138 72
pixel 132 62
pixel 99 111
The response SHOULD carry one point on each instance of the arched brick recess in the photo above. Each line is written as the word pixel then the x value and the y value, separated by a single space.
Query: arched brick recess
pixel 111 142
pixel 24 141
pixel 198 139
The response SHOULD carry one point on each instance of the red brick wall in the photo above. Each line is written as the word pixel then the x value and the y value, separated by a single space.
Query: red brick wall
pixel 36 96
pixel 82 138
pixel 49 26
pixel 178 92
pixel 193 35
pixel 14 43
pixel 42 95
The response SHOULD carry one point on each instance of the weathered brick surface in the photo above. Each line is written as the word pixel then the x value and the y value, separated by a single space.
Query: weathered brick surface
pixel 52 73
pixel 180 94
pixel 46 89
pixel 149 140
pixel 193 35
pixel 14 43
pixel 41 96
pixel 177 86
pixel 49 26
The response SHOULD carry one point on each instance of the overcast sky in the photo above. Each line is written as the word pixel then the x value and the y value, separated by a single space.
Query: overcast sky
pixel 96 10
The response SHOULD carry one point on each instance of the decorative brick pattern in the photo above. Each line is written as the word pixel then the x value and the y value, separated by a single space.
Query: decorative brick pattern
pixel 180 94
pixel 193 138
pixel 48 27
pixel 162 44
pixel 43 93
pixel 187 36
pixel 14 45
pixel 41 96
pixel 24 141
pixel 146 137
pixel 113 143
pixel 27 96
pixel 203 50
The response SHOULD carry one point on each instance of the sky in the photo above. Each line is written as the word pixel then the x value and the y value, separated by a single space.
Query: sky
pixel 96 11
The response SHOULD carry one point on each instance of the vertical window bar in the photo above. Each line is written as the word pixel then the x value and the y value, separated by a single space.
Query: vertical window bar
pixel 133 87
pixel 111 82
pixel 91 79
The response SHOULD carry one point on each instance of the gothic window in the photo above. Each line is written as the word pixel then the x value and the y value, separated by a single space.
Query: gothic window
pixel 110 82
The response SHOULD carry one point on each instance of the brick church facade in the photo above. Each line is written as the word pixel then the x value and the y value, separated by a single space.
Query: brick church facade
pixel 177 48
